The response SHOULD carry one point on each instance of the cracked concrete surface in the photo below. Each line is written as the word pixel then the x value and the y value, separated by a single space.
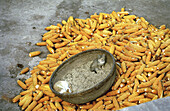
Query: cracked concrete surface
pixel 22 23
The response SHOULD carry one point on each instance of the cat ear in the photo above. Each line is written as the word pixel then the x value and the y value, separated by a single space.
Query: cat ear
pixel 99 56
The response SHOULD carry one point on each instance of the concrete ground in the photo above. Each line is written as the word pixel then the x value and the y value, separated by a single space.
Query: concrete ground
pixel 22 23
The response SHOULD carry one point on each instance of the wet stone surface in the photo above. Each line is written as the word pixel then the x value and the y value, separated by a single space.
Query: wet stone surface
pixel 22 23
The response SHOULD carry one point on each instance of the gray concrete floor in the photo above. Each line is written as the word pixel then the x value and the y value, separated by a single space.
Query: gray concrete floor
pixel 22 23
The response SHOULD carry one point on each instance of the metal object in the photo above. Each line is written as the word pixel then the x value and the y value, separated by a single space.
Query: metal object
pixel 91 93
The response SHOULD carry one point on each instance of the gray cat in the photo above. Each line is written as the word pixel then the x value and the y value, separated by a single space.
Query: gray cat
pixel 98 63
